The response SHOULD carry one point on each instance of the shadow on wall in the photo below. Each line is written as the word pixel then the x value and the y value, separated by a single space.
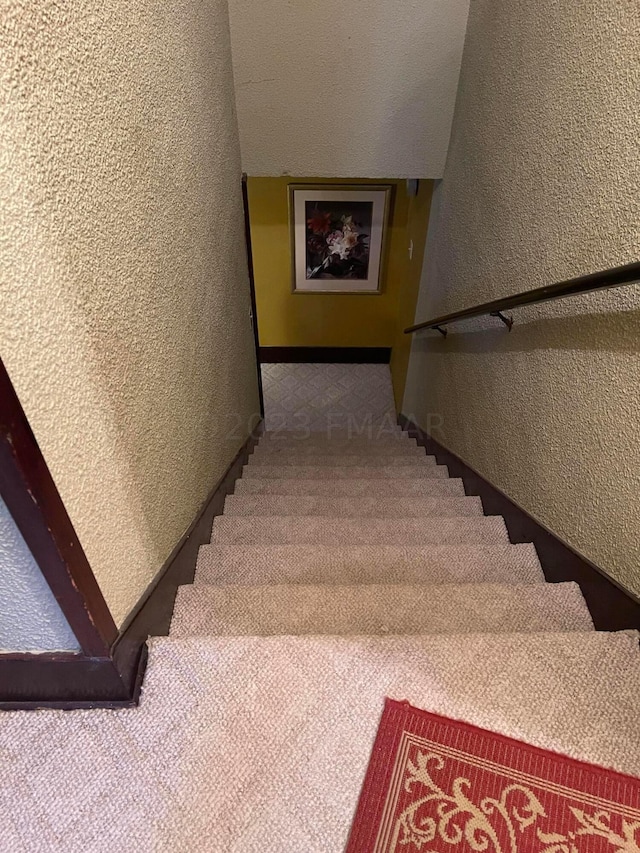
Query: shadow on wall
pixel 410 114
pixel 421 94
pixel 615 331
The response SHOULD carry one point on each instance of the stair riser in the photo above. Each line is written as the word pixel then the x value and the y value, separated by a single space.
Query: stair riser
pixel 365 461
pixel 375 434
pixel 295 451
pixel 379 609
pixel 277 530
pixel 300 564
pixel 428 487
pixel 350 507
pixel 332 472
pixel 363 445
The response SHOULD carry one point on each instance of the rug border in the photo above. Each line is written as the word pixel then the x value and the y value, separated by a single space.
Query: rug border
pixel 366 824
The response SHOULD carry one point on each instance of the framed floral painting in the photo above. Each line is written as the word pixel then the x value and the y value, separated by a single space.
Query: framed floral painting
pixel 338 235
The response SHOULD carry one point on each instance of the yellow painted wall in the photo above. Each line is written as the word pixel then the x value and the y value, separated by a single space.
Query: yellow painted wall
pixel 417 222
pixel 304 319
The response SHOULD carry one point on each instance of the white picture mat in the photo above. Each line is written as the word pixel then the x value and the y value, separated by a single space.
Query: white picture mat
pixel 370 284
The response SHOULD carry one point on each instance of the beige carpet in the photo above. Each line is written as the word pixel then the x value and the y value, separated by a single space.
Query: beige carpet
pixel 353 507
pixel 351 564
pixel 321 397
pixel 379 609
pixel 332 458
pixel 399 488
pixel 307 471
pixel 299 449
pixel 304 438
pixel 259 712
pixel 315 530
pixel 259 745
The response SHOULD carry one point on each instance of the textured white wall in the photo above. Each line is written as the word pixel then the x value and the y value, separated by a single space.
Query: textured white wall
pixel 125 304
pixel 334 89
pixel 30 617
pixel 543 183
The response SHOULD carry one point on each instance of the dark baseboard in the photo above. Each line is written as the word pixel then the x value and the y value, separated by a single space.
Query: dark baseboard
pixel 152 615
pixel 612 607
pixel 68 681
pixel 65 680
pixel 325 355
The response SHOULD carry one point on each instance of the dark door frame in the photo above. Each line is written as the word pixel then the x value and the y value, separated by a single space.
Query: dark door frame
pixel 30 494
pixel 252 286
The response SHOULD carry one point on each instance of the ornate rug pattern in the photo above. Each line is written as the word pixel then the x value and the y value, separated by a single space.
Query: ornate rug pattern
pixel 435 785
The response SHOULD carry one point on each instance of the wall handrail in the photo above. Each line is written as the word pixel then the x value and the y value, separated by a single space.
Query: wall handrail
pixel 604 280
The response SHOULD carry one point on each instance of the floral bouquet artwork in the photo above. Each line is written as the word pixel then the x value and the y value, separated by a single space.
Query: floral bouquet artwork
pixel 337 242
pixel 338 237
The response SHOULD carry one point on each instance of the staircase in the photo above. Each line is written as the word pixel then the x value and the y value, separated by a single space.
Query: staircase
pixel 357 536
pixel 342 571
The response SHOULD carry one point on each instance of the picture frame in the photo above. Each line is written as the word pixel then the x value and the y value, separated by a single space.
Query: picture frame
pixel 338 237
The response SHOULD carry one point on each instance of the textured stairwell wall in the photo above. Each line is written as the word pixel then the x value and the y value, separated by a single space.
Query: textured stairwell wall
pixel 542 183
pixel 124 319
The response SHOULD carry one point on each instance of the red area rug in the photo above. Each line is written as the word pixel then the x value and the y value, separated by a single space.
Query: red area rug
pixel 435 785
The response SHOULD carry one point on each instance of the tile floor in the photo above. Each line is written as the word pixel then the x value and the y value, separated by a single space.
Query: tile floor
pixel 329 397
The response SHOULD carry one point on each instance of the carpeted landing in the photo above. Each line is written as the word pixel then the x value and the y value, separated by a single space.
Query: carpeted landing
pixel 321 593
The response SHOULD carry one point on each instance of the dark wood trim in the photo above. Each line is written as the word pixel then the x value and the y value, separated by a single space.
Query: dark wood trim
pixel 612 607
pixel 32 498
pixel 152 615
pixel 603 280
pixel 252 286
pixel 32 681
pixel 29 681
pixel 325 355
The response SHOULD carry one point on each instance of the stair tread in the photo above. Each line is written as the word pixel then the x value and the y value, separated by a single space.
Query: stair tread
pixel 360 460
pixel 365 434
pixel 352 507
pixel 356 531
pixel 335 472
pixel 379 609
pixel 302 450
pixel 400 487
pixel 331 564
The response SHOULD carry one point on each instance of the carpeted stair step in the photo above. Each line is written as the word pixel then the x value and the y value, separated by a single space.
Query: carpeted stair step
pixel 255 565
pixel 379 609
pixel 363 460
pixel 363 433
pixel 332 472
pixel 341 436
pixel 329 448
pixel 401 488
pixel 323 444
pixel 310 530
pixel 352 507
